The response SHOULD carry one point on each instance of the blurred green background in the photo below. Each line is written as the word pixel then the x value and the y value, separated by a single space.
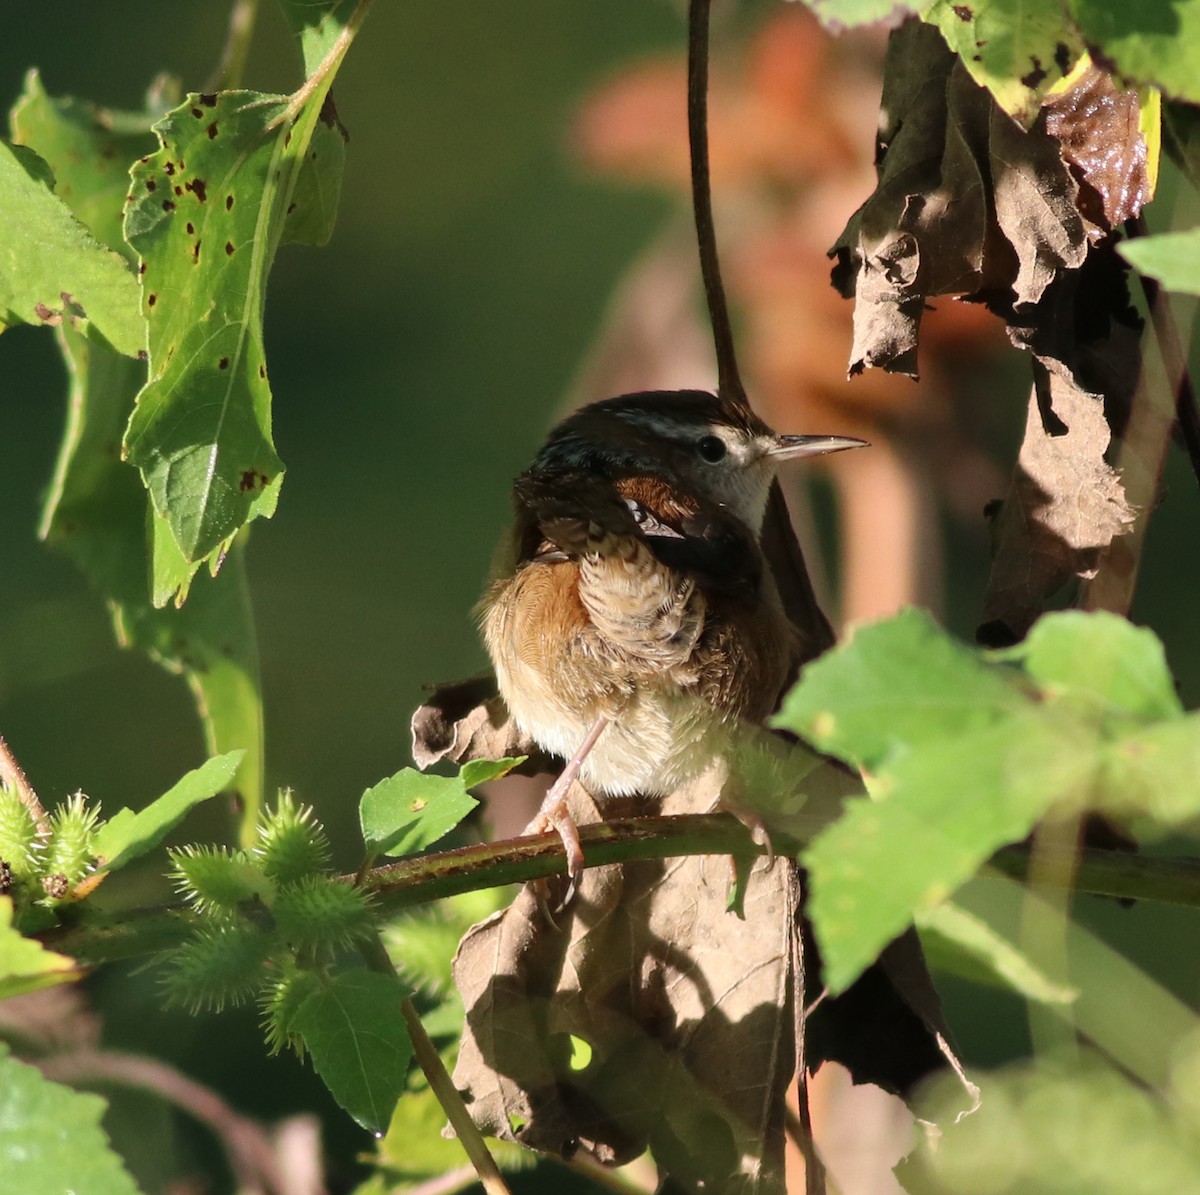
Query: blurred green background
pixel 415 363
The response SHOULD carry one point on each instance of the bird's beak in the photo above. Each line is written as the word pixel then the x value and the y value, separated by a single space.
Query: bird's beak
pixel 791 448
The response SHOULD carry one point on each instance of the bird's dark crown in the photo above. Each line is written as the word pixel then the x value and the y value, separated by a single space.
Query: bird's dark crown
pixel 639 431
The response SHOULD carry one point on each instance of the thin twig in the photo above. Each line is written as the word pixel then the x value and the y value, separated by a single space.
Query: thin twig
pixel 430 1061
pixel 228 72
pixel 326 68
pixel 1045 914
pixel 251 1155
pixel 729 382
pixel 13 778
pixel 1140 460
pixel 1170 345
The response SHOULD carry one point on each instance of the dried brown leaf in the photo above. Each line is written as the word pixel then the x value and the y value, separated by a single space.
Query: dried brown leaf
pixel 687 1010
pixel 970 203
pixel 1034 202
pixel 467 720
pixel 1065 504
pixel 1097 124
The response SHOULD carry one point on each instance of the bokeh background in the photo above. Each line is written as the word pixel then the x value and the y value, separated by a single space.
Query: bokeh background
pixel 512 235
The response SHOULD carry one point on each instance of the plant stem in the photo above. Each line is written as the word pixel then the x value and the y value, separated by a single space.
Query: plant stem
pixel 430 1062
pixel 729 382
pixel 247 1143
pixel 135 933
pixel 12 776
pixel 322 77
pixel 1170 345
pixel 228 72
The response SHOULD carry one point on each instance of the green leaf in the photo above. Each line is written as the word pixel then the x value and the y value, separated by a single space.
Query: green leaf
pixel 1100 656
pixel 941 812
pixel 409 811
pixel 414 1148
pixel 1054 1125
pixel 313 210
pixel 205 215
pixel 479 771
pixel 96 511
pixel 52 270
pixel 96 508
pixel 26 965
pixel 354 1031
pixel 51 1139
pixel 964 755
pixel 837 15
pixel 1151 774
pixel 89 149
pixel 1017 49
pixel 949 933
pixel 129 834
pixel 1171 257
pixel 1150 41
pixel 896 683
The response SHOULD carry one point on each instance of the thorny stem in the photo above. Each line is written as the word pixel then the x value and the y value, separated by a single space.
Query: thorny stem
pixel 13 778
pixel 228 72
pixel 729 382
pixel 429 1060
pixel 405 884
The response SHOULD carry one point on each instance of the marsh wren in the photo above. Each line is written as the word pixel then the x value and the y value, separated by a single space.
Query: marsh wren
pixel 637 619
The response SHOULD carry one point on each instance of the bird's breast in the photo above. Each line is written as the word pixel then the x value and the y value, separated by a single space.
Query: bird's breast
pixel 573 641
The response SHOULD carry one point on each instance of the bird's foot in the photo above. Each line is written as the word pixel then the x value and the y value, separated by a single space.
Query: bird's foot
pixel 759 834
pixel 554 815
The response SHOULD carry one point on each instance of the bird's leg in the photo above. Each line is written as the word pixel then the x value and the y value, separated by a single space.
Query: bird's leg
pixel 733 799
pixel 554 814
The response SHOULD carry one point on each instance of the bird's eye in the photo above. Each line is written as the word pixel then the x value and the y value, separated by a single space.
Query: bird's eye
pixel 711 448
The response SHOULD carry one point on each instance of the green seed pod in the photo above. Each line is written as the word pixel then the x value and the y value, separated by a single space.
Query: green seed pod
pixel 321 915
pixel 20 846
pixel 279 1004
pixel 70 853
pixel 222 964
pixel 217 882
pixel 292 843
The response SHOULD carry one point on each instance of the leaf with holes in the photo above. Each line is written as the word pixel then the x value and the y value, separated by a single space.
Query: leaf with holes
pixel 207 213
pixel 1017 49
pixel 1150 41
pixel 96 506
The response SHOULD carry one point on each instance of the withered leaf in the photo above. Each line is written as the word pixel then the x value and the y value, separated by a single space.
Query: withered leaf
pixel 686 1011
pixel 968 202
pixel 467 720
pixel 1097 124
pixel 1033 196
pixel 1066 502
